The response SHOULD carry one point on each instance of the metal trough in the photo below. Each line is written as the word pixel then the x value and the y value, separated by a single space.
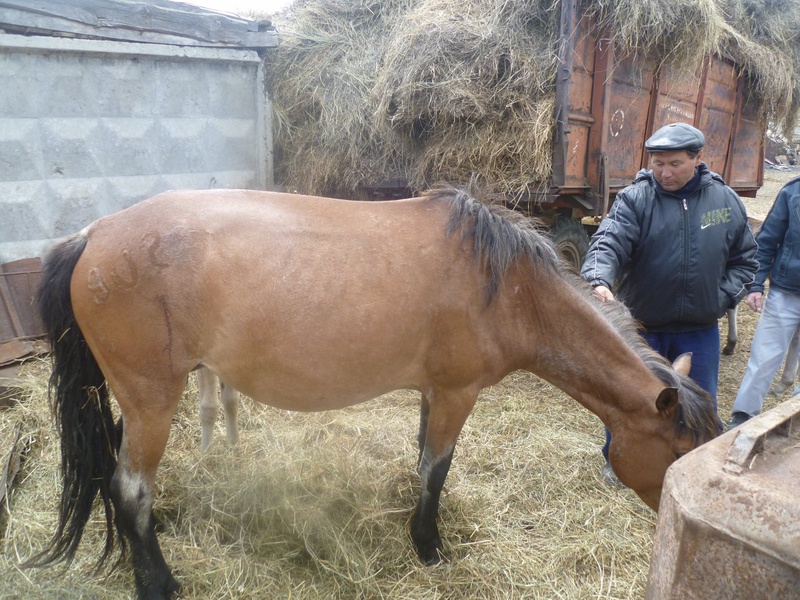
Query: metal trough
pixel 729 520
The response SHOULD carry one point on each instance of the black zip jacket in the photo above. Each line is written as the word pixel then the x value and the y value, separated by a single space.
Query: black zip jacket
pixel 680 262
pixel 779 242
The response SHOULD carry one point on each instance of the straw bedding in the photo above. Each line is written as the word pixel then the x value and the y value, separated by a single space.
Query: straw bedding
pixel 317 506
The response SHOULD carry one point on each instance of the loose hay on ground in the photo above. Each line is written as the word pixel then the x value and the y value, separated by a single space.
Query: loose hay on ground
pixel 317 505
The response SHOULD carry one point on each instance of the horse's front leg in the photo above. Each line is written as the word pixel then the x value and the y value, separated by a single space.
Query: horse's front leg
pixel 424 411
pixel 132 489
pixel 447 411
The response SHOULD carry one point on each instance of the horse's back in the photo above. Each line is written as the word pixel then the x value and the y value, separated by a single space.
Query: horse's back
pixel 277 291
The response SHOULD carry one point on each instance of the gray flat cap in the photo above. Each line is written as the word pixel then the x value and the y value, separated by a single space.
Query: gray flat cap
pixel 676 136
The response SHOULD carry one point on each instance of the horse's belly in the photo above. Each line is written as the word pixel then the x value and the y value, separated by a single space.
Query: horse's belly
pixel 316 402
pixel 312 393
pixel 309 365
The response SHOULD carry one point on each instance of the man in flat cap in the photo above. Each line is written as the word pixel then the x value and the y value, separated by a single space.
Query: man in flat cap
pixel 677 248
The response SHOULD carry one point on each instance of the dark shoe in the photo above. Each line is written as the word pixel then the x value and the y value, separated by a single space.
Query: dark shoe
pixel 737 419
pixel 610 477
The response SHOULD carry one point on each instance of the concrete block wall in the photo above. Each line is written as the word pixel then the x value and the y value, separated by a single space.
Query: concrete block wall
pixel 89 127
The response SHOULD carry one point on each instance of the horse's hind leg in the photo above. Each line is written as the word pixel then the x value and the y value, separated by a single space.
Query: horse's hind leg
pixel 209 405
pixel 146 426
pixel 791 368
pixel 230 404
pixel 733 336
pixel 448 410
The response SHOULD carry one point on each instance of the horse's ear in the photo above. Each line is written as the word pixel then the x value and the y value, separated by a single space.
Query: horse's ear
pixel 683 364
pixel 667 400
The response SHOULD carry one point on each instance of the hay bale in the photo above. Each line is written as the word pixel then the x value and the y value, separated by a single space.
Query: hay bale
pixel 762 37
pixel 470 90
pixel 321 81
pixel 367 91
pixel 679 34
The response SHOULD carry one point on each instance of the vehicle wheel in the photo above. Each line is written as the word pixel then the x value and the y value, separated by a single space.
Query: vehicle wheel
pixel 572 241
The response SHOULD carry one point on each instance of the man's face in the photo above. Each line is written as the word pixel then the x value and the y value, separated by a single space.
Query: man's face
pixel 673 170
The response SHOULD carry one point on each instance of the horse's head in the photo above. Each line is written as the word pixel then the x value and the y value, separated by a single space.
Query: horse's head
pixel 685 418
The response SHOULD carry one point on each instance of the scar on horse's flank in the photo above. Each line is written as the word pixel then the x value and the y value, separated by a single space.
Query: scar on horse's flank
pixel 168 247
pixel 162 300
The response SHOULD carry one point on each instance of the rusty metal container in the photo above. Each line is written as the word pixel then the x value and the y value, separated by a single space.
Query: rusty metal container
pixel 729 520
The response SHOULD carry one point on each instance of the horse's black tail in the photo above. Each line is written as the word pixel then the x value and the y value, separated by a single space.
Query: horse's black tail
pixel 80 404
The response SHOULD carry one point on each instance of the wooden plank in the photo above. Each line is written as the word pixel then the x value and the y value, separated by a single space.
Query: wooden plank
pixel 10 324
pixel 676 100
pixel 747 171
pixel 9 385
pixel 18 282
pixel 159 21
pixel 21 279
pixel 15 349
pixel 597 156
pixel 581 119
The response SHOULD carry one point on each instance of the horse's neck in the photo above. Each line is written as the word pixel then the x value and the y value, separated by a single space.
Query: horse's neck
pixel 567 342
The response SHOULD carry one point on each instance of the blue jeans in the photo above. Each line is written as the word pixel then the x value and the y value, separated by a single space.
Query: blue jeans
pixel 704 346
pixel 776 325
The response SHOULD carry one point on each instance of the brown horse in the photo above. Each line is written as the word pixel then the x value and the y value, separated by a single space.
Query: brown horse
pixel 312 304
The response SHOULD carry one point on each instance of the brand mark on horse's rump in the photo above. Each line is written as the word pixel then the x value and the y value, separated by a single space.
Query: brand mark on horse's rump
pixel 130 276
pixel 97 286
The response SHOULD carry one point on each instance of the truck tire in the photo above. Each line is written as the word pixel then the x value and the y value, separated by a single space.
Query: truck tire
pixel 571 241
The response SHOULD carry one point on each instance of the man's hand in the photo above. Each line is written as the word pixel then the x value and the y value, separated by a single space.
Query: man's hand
pixel 755 300
pixel 603 293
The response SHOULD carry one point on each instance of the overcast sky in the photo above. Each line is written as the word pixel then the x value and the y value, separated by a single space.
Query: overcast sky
pixel 241 6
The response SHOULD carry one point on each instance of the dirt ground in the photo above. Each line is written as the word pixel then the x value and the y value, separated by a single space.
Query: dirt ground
pixel 758 207
pixel 732 367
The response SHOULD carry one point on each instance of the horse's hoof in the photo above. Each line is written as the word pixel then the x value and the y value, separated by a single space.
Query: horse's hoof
pixel 431 553
pixel 728 349
pixel 173 588
pixel 170 589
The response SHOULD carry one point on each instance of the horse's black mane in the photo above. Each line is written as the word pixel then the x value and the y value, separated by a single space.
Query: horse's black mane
pixel 500 236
